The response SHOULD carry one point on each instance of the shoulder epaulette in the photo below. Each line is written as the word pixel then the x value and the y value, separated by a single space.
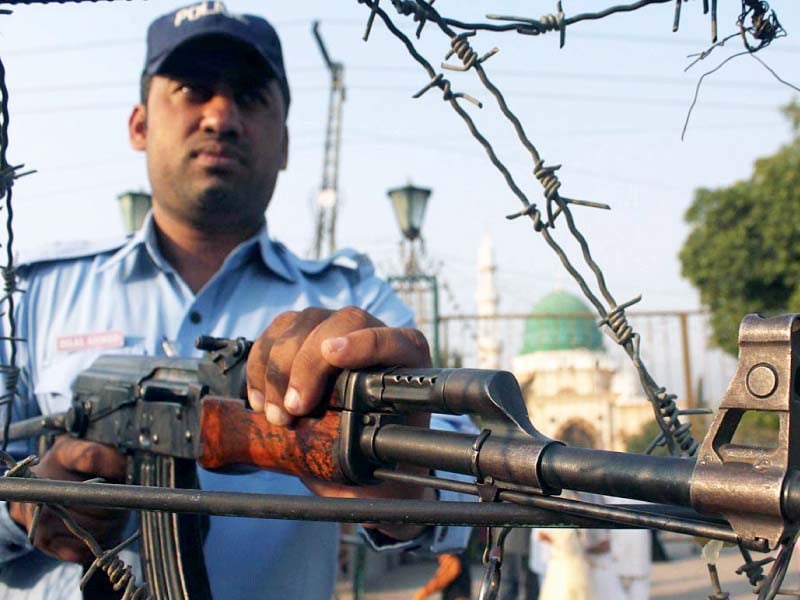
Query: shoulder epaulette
pixel 346 258
pixel 68 250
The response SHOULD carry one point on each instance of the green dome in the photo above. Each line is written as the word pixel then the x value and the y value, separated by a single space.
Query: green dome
pixel 553 332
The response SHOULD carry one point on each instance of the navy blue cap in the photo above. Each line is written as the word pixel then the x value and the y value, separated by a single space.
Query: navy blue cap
pixel 174 29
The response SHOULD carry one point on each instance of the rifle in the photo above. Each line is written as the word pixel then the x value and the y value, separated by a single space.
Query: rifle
pixel 169 414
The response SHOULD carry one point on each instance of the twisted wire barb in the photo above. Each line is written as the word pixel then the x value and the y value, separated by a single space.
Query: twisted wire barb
pixel 764 28
pixel 422 12
pixel 676 435
pixel 8 174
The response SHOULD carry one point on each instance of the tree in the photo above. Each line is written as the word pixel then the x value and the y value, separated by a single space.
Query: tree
pixel 743 251
pixel 638 442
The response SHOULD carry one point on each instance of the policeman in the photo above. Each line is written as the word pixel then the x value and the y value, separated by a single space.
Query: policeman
pixel 212 124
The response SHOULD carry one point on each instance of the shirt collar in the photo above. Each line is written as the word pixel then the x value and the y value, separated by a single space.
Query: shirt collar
pixel 271 252
pixel 145 240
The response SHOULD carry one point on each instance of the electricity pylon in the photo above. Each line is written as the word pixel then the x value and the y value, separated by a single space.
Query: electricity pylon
pixel 325 237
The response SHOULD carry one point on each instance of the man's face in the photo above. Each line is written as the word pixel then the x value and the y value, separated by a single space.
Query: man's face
pixel 214 132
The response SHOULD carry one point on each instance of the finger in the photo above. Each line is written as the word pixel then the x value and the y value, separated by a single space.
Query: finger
pixel 311 375
pixel 387 346
pixel 258 359
pixel 282 359
pixel 273 361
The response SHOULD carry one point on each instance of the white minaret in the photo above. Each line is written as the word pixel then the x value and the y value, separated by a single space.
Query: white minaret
pixel 488 343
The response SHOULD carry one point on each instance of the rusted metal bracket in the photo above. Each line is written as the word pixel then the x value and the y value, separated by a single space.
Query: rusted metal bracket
pixel 745 483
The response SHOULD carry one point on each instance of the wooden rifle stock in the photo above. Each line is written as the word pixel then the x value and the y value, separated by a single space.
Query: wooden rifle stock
pixel 231 434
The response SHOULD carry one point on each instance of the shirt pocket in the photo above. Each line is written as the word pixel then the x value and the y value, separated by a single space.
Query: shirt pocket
pixel 53 386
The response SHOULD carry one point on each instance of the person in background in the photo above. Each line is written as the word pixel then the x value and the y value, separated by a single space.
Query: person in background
pixel 518 580
pixel 451 578
pixel 579 560
pixel 631 550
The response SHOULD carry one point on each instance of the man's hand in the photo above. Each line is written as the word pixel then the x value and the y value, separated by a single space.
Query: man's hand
pixel 294 363
pixel 71 459
pixel 293 366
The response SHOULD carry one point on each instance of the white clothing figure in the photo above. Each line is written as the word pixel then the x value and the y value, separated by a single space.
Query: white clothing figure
pixel 630 549
pixel 568 573
pixel 578 566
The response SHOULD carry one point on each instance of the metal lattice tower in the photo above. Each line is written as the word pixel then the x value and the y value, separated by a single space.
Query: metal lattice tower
pixel 325 236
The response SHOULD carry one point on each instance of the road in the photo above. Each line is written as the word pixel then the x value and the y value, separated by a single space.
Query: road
pixel 682 579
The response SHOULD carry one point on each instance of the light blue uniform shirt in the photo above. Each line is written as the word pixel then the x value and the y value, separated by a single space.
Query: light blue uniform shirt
pixel 81 302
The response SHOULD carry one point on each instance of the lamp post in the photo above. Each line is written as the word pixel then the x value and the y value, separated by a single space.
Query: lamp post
pixel 134 207
pixel 409 203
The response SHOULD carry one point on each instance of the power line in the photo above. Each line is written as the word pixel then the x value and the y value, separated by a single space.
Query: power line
pixel 538 75
pixel 583 98
pixel 633 38
pixel 76 191
pixel 86 45
pixel 364 136
pixel 394 89
pixel 88 86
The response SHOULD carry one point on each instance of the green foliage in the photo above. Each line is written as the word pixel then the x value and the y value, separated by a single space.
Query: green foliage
pixel 743 251
pixel 757 429
pixel 792 112
pixel 638 442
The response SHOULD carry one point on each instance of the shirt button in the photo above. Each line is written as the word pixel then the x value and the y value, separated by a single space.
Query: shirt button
pixel 195 317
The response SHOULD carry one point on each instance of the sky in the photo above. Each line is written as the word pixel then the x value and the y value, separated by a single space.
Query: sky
pixel 609 107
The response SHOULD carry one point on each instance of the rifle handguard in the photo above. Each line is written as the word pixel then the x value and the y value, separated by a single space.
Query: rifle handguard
pixel 231 435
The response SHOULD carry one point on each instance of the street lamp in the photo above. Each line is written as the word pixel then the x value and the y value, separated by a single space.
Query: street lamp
pixel 134 207
pixel 409 203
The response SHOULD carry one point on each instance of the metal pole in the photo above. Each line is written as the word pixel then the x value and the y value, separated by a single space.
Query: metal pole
pixel 437 357
pixel 688 390
pixel 325 234
pixel 274 506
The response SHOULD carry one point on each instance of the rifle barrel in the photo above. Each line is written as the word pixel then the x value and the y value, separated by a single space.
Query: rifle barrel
pixel 659 479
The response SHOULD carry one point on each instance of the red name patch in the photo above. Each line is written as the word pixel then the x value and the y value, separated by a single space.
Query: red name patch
pixel 91 341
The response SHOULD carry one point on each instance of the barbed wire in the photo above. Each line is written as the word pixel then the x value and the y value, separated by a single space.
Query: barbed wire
pixel 422 12
pixel 119 574
pixel 8 174
pixel 675 435
pixel 764 28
